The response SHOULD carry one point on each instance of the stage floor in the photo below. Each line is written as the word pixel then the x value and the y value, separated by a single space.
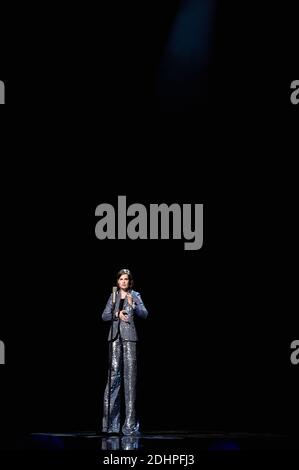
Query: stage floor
pixel 181 448
pixel 161 440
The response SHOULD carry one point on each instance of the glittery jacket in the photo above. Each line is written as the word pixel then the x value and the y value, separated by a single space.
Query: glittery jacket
pixel 126 330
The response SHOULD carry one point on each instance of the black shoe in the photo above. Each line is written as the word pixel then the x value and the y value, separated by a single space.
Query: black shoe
pixel 109 433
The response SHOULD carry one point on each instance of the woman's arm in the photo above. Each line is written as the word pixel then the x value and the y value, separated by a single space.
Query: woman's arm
pixel 139 309
pixel 106 315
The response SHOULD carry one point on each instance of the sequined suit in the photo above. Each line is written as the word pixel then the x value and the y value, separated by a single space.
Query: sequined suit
pixel 122 339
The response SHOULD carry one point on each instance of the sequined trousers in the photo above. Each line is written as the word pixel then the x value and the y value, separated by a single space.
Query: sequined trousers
pixel 124 364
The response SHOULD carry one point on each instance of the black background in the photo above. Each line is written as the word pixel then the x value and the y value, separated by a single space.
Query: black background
pixel 215 350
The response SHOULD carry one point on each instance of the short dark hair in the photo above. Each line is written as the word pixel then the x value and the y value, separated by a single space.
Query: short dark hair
pixel 128 273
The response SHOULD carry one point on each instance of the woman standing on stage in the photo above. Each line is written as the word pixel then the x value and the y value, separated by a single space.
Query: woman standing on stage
pixel 122 354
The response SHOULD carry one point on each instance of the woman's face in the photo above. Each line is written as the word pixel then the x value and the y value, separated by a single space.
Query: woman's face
pixel 123 282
